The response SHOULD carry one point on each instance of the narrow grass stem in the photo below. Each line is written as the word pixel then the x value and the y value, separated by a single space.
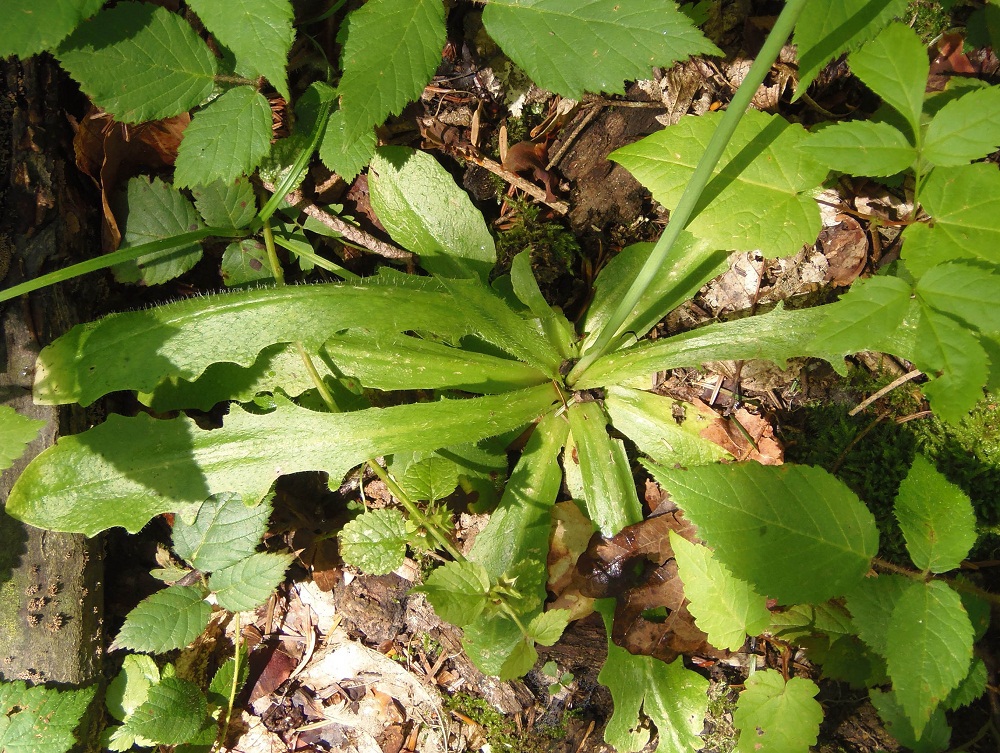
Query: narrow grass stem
pixel 237 637
pixel 684 211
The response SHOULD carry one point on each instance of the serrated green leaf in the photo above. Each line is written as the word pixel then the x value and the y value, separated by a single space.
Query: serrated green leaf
pixel 828 28
pixel 936 518
pixel 222 681
pixel 226 203
pixel 259 33
pixel 139 62
pixel 31 27
pixel 760 196
pixel 849 660
pixel 936 735
pixel 520 661
pixel 174 712
pixel 375 541
pixel 795 532
pixel 865 316
pixel 224 532
pixel 225 139
pixel 675 698
pixel 431 479
pixel 611 499
pixel 155 210
pixel 977 608
pixel 16 432
pixel 971 688
pixel 547 627
pixel 391 50
pixel 952 355
pixel 894 65
pixel 774 716
pixel 861 147
pixel 40 716
pixel 346 156
pixel 569 47
pixel 125 471
pixel 423 210
pixel 458 591
pixel 244 262
pixel 962 202
pixel 490 641
pixel 965 129
pixel 725 607
pixel 130 688
pixel 248 583
pixel 649 421
pixel 962 290
pixel 871 604
pixel 170 618
pixel 801 620
pixel 929 648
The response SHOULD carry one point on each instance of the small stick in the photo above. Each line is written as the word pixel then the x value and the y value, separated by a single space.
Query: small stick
pixel 884 391
pixel 571 139
pixel 349 231
pixel 560 207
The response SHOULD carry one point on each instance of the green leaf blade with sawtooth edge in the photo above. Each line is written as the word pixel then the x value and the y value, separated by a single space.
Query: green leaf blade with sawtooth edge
pixel 226 203
pixel 258 32
pixel 391 50
pixel 130 688
pixel 871 603
pixel 965 129
pixel 724 606
pixel 963 202
pixel 227 138
pixel 936 518
pixel 935 736
pixel 31 27
pixel 346 156
pixel 125 471
pixel 423 210
pixel 573 46
pixel 894 65
pixel 247 584
pixel 429 479
pixel 774 716
pixel 761 194
pixel 458 591
pixel 156 210
pixel 955 360
pixel 16 433
pixel 174 712
pixel 170 618
pixel 547 628
pixel 828 28
pixel 224 532
pixel 41 714
pixel 929 648
pixel 861 147
pixel 245 262
pixel 869 312
pixel 375 541
pixel 964 291
pixel 139 62
pixel 795 532
pixel 674 697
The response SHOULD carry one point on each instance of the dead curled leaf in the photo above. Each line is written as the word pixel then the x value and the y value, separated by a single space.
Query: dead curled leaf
pixel 744 435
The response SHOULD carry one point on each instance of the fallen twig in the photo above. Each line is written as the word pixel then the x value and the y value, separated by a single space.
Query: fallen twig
pixel 884 391
pixel 560 207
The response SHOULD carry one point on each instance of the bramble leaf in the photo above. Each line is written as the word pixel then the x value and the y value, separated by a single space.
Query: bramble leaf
pixel 861 147
pixel 248 583
pixel 423 210
pixel 760 195
pixel 346 157
pixel 391 50
pixel 929 648
pixel 547 627
pixel 227 138
pixel 894 66
pixel 774 716
pixel 965 129
pixel 244 262
pixel 174 712
pixel 170 618
pixel 936 518
pixel 258 32
pixel 795 532
pixel 649 421
pixel 130 688
pixel 226 203
pixel 828 28
pixel 726 608
pixel 16 433
pixel 971 688
pixel 965 291
pixel 156 210
pixel 569 46
pixel 869 312
pixel 458 591
pixel 139 62
pixel 375 541
pixel 954 357
pixel 962 202
pixel 224 532
pixel 31 27
pixel 935 737
pixel 674 697
pixel 871 603
pixel 40 716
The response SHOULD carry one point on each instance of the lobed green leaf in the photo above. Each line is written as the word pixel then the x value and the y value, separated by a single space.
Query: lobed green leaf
pixel 375 541
pixel 774 716
pixel 170 618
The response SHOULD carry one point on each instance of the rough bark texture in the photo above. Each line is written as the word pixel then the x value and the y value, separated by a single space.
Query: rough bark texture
pixel 50 583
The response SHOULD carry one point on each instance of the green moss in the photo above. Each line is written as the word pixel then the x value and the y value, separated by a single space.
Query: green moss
pixel 929 18
pixel 501 731
pixel 554 249
pixel 720 735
